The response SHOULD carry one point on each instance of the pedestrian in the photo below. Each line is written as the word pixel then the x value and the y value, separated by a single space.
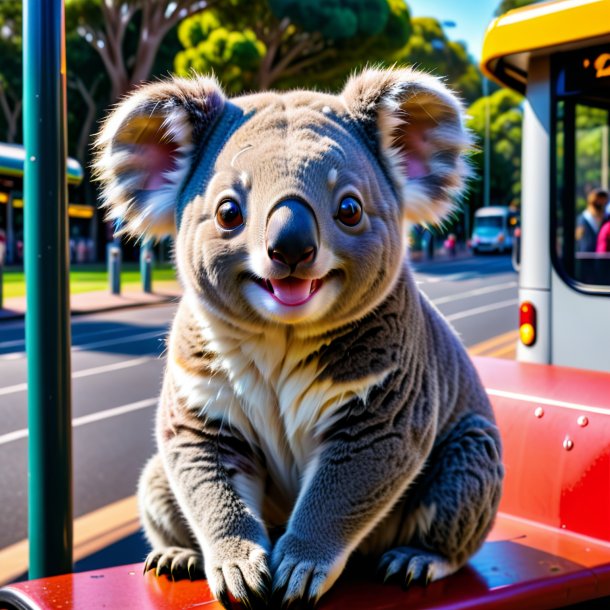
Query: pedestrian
pixel 589 222
pixel 603 239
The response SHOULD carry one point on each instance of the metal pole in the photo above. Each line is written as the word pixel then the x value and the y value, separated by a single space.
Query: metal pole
pixel 10 229
pixel 48 305
pixel 605 162
pixel 487 151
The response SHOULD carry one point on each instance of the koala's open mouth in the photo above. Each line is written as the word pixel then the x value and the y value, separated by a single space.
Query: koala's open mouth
pixel 291 291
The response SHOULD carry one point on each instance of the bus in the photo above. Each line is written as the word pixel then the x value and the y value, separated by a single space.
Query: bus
pixel 493 229
pixel 550 544
pixel 82 217
pixel 558 55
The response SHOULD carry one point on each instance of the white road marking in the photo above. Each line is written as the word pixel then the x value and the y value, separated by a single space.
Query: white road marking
pixel 97 344
pixel 476 292
pixel 88 419
pixel 14 343
pixel 106 331
pixel 97 370
pixel 119 340
pixel 466 274
pixel 483 309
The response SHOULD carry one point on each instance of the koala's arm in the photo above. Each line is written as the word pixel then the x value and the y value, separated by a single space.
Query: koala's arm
pixel 363 467
pixel 233 540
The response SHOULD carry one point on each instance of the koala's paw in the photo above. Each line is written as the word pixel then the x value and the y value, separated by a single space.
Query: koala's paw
pixel 302 571
pixel 175 561
pixel 411 565
pixel 239 568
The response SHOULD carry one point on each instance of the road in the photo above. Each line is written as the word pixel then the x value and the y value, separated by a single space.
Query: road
pixel 117 368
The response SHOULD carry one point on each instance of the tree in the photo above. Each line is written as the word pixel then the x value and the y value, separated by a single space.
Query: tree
pixel 234 55
pixel 591 139
pixel 429 49
pixel 127 34
pixel 509 5
pixel 286 42
pixel 10 69
pixel 505 127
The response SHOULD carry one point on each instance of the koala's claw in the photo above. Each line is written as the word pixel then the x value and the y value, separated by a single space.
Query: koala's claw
pixel 411 565
pixel 176 562
pixel 301 575
pixel 246 580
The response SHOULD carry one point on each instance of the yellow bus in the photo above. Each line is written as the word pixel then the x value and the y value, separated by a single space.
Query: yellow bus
pixel 558 55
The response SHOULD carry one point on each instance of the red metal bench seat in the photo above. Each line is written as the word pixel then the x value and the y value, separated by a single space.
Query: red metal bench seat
pixel 550 546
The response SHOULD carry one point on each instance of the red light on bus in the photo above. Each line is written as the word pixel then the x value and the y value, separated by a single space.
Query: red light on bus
pixel 527 323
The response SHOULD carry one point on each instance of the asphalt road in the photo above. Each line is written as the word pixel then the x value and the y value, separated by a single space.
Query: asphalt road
pixel 117 368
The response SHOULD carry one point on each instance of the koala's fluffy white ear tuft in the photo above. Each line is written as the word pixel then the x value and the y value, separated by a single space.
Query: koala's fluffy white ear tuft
pixel 145 149
pixel 418 124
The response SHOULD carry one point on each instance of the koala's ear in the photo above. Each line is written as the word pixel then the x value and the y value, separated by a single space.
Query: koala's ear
pixel 418 125
pixel 145 150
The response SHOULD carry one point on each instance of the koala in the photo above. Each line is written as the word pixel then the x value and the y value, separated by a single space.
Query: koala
pixel 315 405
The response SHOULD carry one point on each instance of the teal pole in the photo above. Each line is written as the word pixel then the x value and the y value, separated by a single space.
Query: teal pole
pixel 48 305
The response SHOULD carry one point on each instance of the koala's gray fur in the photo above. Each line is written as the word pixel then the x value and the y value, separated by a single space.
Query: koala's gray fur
pixel 315 404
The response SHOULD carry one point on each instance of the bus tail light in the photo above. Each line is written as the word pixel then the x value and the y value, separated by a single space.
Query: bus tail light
pixel 527 323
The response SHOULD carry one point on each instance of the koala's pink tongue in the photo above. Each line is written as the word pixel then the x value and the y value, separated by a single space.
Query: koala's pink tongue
pixel 291 290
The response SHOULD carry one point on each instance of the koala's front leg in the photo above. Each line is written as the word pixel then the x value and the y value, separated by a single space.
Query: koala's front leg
pixel 361 471
pixel 233 540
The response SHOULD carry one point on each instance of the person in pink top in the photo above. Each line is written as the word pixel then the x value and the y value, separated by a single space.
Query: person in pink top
pixel 603 238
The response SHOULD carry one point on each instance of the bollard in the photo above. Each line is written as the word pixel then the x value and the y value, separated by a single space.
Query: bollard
pixel 146 262
pixel 113 255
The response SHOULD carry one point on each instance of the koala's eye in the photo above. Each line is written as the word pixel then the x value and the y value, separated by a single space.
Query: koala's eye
pixel 350 211
pixel 228 215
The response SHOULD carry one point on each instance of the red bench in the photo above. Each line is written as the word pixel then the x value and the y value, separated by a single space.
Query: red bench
pixel 550 546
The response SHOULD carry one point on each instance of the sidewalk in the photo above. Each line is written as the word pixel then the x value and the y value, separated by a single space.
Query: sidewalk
pixel 102 300
pixel 440 255
pixel 164 292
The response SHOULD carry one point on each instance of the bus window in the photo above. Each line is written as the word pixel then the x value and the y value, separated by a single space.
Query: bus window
pixel 581 169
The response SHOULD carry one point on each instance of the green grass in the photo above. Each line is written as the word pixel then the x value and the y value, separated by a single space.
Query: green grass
pixel 87 278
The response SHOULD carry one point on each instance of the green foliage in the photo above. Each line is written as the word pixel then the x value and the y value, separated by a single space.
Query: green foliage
pixel 509 5
pixel 429 49
pixel 335 19
pixel 209 47
pixel 343 57
pixel 591 131
pixel 505 127
pixel 10 22
pixel 291 43
pixel 10 69
pixel 82 12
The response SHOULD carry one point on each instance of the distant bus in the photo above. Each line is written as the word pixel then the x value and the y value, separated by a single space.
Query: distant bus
pixel 12 158
pixel 493 229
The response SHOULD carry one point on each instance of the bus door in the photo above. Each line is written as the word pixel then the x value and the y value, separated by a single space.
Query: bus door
pixel 580 166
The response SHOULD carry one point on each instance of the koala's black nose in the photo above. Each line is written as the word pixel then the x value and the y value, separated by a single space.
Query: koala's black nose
pixel 292 233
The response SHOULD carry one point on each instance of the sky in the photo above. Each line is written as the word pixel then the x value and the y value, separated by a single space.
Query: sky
pixel 471 18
